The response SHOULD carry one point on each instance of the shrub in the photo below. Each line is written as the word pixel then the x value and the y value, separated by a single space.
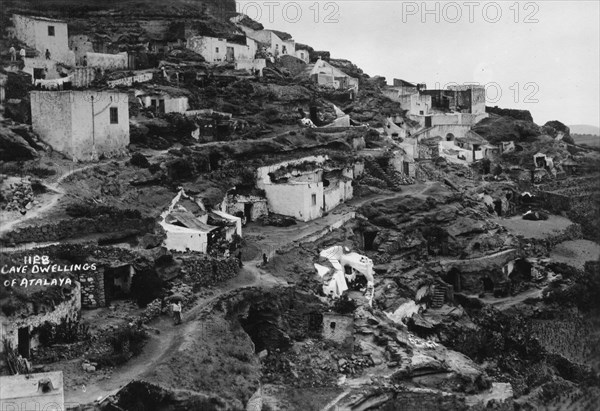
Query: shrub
pixel 67 332
pixel 139 160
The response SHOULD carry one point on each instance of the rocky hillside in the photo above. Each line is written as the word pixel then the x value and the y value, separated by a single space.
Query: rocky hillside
pixel 145 8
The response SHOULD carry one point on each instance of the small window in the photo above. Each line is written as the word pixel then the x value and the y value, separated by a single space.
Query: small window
pixel 216 49
pixel 114 115
pixel 302 56
pixel 284 50
pixel 314 199
pixel 51 30
pixel 332 325
pixel 276 46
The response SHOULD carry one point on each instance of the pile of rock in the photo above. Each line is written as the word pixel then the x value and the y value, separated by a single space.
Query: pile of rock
pixel 19 196
pixel 353 364
pixel 205 271
pixel 89 366
pixel 153 310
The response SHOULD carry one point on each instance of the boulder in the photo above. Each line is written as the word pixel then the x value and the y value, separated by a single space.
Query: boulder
pixel 14 147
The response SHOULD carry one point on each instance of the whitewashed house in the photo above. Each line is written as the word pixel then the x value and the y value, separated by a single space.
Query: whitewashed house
pixel 83 125
pixel 216 50
pixel 44 34
pixel 305 188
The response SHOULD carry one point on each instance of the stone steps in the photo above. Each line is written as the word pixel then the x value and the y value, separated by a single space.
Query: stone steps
pixel 439 295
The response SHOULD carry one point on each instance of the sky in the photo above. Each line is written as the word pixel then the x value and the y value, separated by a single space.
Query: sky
pixel 541 56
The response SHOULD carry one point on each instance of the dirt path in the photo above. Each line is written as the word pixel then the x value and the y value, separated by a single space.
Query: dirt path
pixel 169 336
pixel 50 203
pixel 164 337
pixel 507 302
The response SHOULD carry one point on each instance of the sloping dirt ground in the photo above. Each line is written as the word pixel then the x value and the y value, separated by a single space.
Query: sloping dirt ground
pixel 576 253
pixel 171 349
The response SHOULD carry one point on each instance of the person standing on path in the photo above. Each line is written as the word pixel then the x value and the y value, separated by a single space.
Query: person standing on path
pixel 176 308
pixel 13 53
pixel 22 53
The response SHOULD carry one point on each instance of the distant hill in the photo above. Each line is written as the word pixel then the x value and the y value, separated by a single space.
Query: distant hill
pixel 585 129
pixel 586 140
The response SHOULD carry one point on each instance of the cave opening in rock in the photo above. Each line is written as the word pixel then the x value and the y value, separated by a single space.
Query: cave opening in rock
pixel 498 207
pixel 488 284
pixel 454 278
pixel 262 325
pixel 214 160
pixel 369 239
pixel 521 271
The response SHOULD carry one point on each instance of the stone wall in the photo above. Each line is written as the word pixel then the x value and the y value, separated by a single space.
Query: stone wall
pixel 422 401
pixel 92 289
pixel 68 310
pixel 107 61
pixel 556 202
pixel 234 204
pixel 75 227
pixel 203 271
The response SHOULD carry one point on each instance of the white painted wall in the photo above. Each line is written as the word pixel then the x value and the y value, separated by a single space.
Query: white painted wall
pixel 214 49
pixel 182 238
pixel 172 104
pixel 107 61
pixel 250 65
pixel 337 193
pixel 33 31
pixel 303 55
pixel 296 200
pixel 77 123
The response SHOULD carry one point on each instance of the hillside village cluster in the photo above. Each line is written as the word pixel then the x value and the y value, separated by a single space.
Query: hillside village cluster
pixel 381 235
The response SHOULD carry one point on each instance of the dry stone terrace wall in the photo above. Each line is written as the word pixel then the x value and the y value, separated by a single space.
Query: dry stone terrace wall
pixel 203 271
pixel 68 310
pixel 92 289
pixel 77 227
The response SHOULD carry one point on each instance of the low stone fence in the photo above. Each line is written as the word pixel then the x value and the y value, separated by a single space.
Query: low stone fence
pixel 70 228
pixel 203 272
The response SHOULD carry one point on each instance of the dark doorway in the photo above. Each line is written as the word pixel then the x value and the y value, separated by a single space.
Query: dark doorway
pixel 230 56
pixel 427 121
pixel 454 278
pixel 117 282
pixel 369 239
pixel 314 322
pixel 24 341
pixel 214 159
pixel 248 211
pixel 109 286
pixel 521 271
pixel 449 137
pixel 161 106
pixel 498 207
pixel 488 285
pixel 406 167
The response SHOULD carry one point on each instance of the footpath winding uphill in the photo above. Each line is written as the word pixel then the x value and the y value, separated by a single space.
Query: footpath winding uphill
pixel 165 338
